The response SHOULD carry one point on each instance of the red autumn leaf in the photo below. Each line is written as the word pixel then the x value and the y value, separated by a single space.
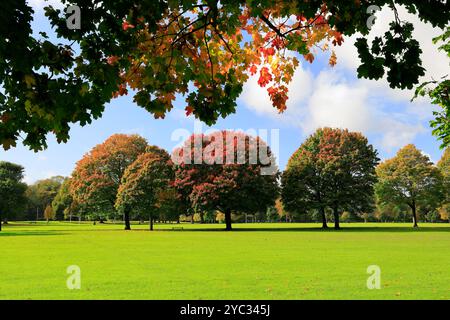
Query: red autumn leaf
pixel 126 26
pixel 265 77
pixel 112 60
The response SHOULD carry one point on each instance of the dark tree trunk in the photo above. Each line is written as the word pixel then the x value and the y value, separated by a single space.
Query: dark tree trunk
pixel 336 218
pixel 178 220
pixel 228 220
pixel 202 219
pixel 151 223
pixel 414 214
pixel 324 218
pixel 192 219
pixel 126 217
pixel 101 220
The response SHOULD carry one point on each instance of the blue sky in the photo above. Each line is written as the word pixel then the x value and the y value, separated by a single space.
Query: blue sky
pixel 319 96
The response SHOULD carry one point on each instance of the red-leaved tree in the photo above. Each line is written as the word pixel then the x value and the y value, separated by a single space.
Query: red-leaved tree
pixel 227 171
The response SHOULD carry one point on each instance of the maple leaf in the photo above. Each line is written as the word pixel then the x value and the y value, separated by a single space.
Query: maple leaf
pixel 309 57
pixel 112 60
pixel 265 77
pixel 126 26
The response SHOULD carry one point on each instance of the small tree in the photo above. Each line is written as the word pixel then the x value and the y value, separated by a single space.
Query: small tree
pixel 147 186
pixel 49 214
pixel 411 179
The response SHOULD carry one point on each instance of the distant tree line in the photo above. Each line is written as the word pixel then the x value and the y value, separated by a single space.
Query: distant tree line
pixel 334 176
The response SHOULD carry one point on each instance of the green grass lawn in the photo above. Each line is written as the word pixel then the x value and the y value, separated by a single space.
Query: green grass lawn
pixel 257 261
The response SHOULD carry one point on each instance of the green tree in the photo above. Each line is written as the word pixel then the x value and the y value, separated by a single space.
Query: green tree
pixel 333 169
pixel 411 179
pixel 62 203
pixel 146 186
pixel 12 190
pixel 444 166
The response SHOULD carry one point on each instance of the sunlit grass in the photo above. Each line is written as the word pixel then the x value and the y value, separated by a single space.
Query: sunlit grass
pixel 257 261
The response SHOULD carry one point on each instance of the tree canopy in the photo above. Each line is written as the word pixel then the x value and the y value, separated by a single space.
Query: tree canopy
pixel 411 179
pixel 333 169
pixel 202 50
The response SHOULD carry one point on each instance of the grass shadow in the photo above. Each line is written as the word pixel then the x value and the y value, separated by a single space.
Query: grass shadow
pixel 30 233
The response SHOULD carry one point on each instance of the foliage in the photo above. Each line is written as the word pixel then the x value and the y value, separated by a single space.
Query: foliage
pixel 215 172
pixel 41 194
pixel 440 96
pixel 12 190
pixel 204 51
pixel 411 179
pixel 62 204
pixel 147 186
pixel 49 214
pixel 97 176
pixel 333 169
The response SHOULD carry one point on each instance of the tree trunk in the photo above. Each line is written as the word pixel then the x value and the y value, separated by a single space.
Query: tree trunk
pixel 151 223
pixel 126 216
pixel 324 218
pixel 336 218
pixel 414 214
pixel 228 220
pixel 192 219
pixel 178 220
pixel 0 222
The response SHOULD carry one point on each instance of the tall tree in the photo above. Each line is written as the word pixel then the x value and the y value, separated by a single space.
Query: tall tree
pixel 158 48
pixel 227 171
pixel 333 169
pixel 147 185
pixel 411 179
pixel 97 176
pixel 12 190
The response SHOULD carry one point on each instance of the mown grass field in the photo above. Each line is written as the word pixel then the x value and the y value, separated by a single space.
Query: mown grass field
pixel 257 261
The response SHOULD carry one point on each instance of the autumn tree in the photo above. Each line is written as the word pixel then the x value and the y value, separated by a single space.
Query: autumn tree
pixel 411 179
pixel 49 214
pixel 158 48
pixel 227 171
pixel 97 176
pixel 147 185
pixel 12 190
pixel 333 169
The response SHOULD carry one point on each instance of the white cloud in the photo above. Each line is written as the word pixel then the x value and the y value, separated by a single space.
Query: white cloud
pixel 40 4
pixel 371 107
